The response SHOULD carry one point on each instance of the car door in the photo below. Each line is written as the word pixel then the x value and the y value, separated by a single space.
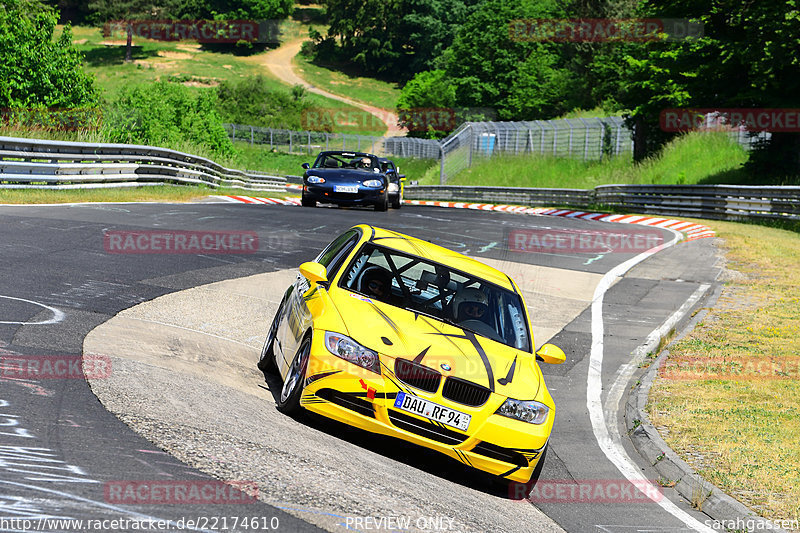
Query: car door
pixel 297 319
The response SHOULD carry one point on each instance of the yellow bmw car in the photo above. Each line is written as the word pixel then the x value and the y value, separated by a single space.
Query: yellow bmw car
pixel 402 337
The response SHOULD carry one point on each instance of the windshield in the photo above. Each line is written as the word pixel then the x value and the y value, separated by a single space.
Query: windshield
pixel 438 291
pixel 346 160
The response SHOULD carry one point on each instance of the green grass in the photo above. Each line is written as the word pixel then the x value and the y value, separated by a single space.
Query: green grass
pixel 690 159
pixel 349 83
pixel 185 61
pixel 729 392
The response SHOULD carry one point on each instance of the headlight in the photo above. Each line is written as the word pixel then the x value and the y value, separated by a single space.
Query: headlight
pixel 525 410
pixel 315 179
pixel 373 183
pixel 349 350
pixel 393 187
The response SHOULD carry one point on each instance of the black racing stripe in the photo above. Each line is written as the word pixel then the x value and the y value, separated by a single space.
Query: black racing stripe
pixel 463 457
pixel 388 375
pixel 484 357
pixel 510 471
pixel 389 321
pixel 418 359
pixel 315 377
pixel 510 376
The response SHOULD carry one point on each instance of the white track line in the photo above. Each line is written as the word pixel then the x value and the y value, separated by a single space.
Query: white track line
pixel 58 316
pixel 612 445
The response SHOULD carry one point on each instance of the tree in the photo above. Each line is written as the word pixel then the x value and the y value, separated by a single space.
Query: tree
pixel 127 11
pixel 394 37
pixel 490 66
pixel 35 70
pixel 747 58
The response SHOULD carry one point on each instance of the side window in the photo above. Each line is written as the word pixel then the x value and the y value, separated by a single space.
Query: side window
pixel 333 256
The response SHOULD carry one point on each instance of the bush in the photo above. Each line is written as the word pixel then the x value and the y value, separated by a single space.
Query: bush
pixel 250 101
pixel 36 71
pixel 167 114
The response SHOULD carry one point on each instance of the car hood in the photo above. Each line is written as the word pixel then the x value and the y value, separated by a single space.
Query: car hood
pixel 344 175
pixel 398 333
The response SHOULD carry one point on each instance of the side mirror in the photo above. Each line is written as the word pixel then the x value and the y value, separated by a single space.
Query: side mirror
pixel 550 353
pixel 314 272
pixel 306 166
pixel 402 177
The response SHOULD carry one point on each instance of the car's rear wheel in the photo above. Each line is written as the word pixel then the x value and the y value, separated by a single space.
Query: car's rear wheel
pixel 266 362
pixel 305 201
pixel 289 399
pixel 383 203
pixel 397 201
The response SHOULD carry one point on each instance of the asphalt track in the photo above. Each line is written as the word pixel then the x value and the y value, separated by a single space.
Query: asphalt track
pixel 59 446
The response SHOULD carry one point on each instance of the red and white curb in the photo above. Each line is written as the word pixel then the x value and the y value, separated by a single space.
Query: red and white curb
pixel 690 230
pixel 259 200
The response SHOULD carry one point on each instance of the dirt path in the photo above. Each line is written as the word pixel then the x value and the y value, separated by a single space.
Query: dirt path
pixel 279 62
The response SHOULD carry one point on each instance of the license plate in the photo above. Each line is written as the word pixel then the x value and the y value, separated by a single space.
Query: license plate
pixel 345 188
pixel 434 411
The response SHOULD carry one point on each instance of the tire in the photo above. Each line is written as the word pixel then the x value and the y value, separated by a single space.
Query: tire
pixel 266 363
pixel 383 204
pixel 289 398
pixel 307 202
pixel 397 202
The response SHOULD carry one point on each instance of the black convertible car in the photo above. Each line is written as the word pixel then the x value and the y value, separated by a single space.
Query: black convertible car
pixel 345 178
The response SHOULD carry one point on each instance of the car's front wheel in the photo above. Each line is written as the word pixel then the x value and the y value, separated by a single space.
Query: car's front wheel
pixel 397 201
pixel 305 201
pixel 289 399
pixel 383 203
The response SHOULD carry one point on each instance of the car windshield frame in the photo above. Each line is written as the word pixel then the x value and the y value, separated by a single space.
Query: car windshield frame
pixel 346 160
pixel 423 301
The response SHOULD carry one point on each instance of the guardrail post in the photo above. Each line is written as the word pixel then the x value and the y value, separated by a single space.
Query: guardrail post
pixel 291 146
pixel 441 165
pixel 251 135
pixel 233 133
pixel 270 139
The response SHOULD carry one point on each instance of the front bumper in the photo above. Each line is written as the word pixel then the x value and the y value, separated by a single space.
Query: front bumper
pixel 495 444
pixel 326 194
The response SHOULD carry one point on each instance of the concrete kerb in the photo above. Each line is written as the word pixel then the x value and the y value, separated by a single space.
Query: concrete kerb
pixel 648 442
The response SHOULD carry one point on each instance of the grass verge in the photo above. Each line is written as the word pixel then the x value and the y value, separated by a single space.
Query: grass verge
pixel 689 159
pixel 349 83
pixel 728 398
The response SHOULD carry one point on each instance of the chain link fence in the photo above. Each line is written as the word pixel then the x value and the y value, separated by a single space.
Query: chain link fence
pixel 310 142
pixel 589 139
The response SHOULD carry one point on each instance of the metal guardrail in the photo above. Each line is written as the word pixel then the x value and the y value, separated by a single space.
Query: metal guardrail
pixel 722 202
pixel 45 164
